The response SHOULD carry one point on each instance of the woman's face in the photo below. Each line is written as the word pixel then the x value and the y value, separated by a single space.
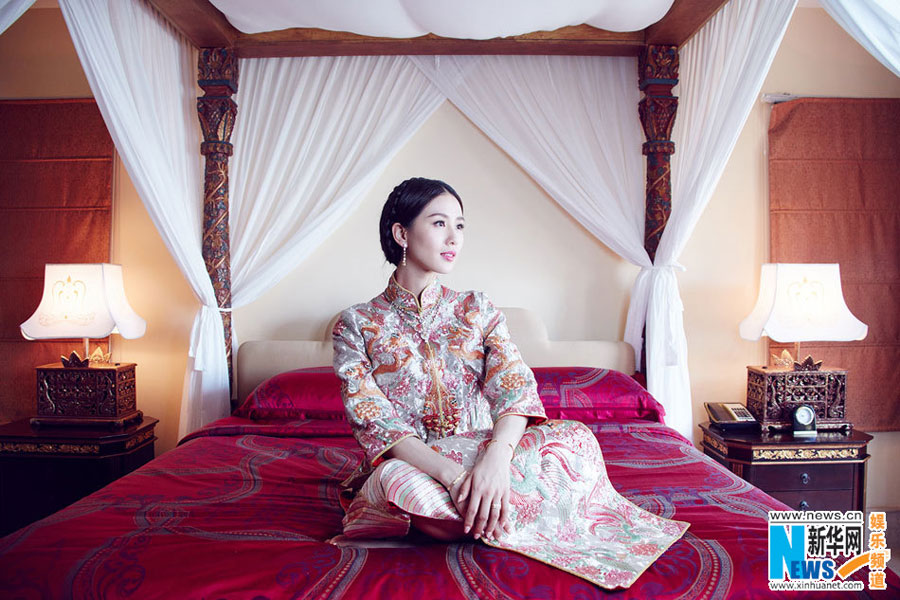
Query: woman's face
pixel 435 237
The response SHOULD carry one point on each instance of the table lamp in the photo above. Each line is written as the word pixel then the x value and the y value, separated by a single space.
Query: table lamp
pixel 85 301
pixel 799 303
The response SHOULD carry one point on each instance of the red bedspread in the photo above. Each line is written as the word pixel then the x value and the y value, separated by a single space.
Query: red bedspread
pixel 240 510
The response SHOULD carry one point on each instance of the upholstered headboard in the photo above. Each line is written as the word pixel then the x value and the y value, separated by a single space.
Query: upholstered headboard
pixel 259 360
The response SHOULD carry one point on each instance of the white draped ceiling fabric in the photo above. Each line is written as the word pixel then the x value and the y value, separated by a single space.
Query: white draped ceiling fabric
pixel 143 75
pixel 11 10
pixel 484 19
pixel 874 24
pixel 574 129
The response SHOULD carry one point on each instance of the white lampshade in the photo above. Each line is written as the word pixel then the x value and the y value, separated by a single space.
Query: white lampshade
pixel 802 303
pixel 83 301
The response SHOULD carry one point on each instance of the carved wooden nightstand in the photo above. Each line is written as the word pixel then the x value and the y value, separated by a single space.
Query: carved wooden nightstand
pixel 827 472
pixel 45 469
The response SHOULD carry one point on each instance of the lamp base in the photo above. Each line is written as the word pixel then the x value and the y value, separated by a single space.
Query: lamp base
pixel 99 395
pixel 774 393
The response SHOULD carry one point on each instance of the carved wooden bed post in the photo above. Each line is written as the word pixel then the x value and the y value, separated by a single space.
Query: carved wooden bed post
pixel 657 75
pixel 218 76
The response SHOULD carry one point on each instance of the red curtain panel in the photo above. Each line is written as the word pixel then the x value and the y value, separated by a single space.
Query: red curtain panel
pixel 834 196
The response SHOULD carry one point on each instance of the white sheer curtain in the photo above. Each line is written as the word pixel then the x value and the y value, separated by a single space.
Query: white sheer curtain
pixel 143 77
pixel 722 71
pixel 311 137
pixel 571 122
pixel 11 10
pixel 875 24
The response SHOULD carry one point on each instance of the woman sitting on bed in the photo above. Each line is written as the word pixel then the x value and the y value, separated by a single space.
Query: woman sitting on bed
pixel 455 437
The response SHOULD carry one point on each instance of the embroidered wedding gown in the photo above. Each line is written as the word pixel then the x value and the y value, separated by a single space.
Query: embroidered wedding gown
pixel 445 370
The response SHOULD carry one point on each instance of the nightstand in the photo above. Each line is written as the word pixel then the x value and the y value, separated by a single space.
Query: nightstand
pixel 45 469
pixel 827 472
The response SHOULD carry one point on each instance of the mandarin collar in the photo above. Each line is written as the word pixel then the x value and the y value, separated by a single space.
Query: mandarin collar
pixel 401 297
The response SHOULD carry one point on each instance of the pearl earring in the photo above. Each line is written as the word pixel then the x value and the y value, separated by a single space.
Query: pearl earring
pixel 403 261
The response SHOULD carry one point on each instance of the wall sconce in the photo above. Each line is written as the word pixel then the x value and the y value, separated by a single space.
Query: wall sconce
pixel 85 301
pixel 799 303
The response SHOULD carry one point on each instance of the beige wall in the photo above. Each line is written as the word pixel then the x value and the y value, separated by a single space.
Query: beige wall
pixel 521 248
pixel 38 60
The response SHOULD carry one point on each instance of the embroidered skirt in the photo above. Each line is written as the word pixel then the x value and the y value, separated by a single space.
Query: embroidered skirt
pixel 564 510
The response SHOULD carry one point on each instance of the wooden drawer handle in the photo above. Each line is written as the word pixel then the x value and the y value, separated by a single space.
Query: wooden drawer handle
pixel 804 478
pixel 804 505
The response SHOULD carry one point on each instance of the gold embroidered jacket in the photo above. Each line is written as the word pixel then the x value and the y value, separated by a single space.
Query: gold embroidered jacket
pixel 431 369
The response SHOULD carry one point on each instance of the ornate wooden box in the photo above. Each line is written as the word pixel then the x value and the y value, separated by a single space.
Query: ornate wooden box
pixel 774 392
pixel 102 395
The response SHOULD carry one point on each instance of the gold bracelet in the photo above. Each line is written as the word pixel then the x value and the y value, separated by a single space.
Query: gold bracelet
pixel 455 481
pixel 511 447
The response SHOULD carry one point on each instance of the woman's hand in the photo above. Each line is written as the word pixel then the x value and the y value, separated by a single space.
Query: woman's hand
pixel 484 493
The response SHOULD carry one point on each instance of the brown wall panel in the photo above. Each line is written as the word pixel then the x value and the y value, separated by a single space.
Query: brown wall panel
pixel 798 184
pixel 56 183
pixel 833 189
pixel 19 359
pixel 818 128
pixel 881 185
pixel 20 298
pixel 865 244
pixel 833 185
pixel 53 129
pixel 871 303
pixel 871 400
pixel 52 236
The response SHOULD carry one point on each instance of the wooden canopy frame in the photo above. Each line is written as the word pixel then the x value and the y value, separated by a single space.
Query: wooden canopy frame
pixel 221 44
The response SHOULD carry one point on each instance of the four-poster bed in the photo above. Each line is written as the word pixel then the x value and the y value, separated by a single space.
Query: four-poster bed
pixel 255 494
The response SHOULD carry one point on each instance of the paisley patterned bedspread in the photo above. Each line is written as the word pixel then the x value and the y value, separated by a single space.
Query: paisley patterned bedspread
pixel 241 509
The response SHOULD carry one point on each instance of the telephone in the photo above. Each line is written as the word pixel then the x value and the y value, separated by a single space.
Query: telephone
pixel 729 415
